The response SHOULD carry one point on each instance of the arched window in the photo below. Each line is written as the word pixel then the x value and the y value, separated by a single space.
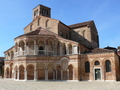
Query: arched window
pixel 41 48
pixel 87 67
pixel 97 63
pixel 108 66
pixel 64 49
pixel 41 52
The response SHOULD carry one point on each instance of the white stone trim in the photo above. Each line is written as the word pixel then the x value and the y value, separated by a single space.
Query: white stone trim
pixel 100 73
pixel 64 58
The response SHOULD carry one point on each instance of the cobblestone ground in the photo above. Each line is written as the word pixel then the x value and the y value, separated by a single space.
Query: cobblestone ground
pixel 57 85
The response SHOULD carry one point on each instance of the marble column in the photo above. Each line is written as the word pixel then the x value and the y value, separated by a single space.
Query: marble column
pixel 18 75
pixel 73 74
pixel 56 74
pixel 25 52
pixel 68 73
pixel 14 74
pixel 35 49
pixel 25 74
pixel 35 75
pixel 61 50
pixel 75 49
pixel 18 50
pixel 61 74
pixel 53 75
pixel 55 50
pixel 67 50
pixel 46 49
pixel 46 74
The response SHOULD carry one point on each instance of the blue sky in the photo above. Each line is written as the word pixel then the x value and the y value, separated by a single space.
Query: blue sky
pixel 16 14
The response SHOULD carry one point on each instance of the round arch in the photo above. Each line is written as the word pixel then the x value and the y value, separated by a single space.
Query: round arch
pixel 50 68
pixel 30 45
pixel 21 72
pixel 30 72
pixel 64 65
pixel 96 59
pixel 7 72
pixel 15 71
pixel 70 68
pixel 11 69
pixel 50 40
pixel 41 71
pixel 96 62
pixel 58 68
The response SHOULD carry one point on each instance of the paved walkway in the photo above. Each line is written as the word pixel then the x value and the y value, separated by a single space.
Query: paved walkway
pixel 57 85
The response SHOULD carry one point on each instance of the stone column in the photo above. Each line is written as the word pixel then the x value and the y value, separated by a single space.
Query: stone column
pixel 14 74
pixel 9 74
pixel 61 74
pixel 5 74
pixel 73 74
pixel 55 50
pixel 27 50
pixel 46 49
pixel 25 46
pixel 53 75
pixel 56 74
pixel 18 75
pixel 35 75
pixel 25 75
pixel 35 49
pixel 18 50
pixel 75 49
pixel 46 74
pixel 61 50
pixel 67 50
pixel 68 73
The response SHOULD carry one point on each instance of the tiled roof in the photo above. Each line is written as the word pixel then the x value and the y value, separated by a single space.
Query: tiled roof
pixel 80 24
pixel 40 31
pixel 99 50
pixel 109 47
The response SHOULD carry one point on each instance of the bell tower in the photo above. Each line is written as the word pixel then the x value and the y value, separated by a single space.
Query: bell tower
pixel 41 10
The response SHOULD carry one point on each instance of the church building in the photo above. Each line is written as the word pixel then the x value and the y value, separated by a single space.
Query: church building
pixel 51 50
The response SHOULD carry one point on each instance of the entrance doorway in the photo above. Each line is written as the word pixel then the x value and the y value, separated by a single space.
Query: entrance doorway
pixel 97 73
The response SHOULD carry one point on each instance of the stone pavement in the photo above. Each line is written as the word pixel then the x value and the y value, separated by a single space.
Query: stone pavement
pixel 57 85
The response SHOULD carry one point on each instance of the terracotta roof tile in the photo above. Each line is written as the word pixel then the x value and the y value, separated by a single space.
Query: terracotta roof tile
pixel 99 50
pixel 40 31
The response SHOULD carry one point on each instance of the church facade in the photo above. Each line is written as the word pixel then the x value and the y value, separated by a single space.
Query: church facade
pixel 51 50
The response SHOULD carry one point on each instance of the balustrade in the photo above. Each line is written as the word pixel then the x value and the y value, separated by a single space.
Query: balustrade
pixel 41 52
pixel 44 52
pixel 50 53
